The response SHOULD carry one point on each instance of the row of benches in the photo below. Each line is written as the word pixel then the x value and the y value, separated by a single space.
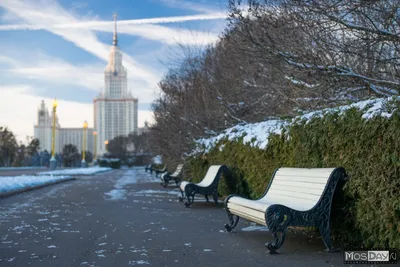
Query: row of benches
pixel 294 197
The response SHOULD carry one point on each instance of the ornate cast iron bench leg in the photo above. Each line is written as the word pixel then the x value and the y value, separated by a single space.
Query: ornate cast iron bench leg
pixel 233 221
pixel 278 218
pixel 189 192
pixel 326 236
pixel 215 198
pixel 182 195
pixel 166 181
pixel 279 238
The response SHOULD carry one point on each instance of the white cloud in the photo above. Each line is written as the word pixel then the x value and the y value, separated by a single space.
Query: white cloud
pixel 20 107
pixel 50 12
pixel 168 35
pixel 188 5
pixel 55 71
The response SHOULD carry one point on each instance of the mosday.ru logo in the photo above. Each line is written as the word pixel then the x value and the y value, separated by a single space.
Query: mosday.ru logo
pixel 381 256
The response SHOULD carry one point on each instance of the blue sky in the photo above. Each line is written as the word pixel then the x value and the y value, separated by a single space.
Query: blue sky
pixel 59 49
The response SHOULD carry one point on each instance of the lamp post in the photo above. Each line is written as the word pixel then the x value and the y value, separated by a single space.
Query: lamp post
pixel 85 125
pixel 95 147
pixel 53 161
pixel 106 145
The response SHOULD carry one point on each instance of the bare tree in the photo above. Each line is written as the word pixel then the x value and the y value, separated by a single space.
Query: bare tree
pixel 333 47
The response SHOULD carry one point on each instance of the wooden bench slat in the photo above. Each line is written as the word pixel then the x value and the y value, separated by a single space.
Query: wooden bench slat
pixel 318 180
pixel 306 170
pixel 300 184
pixel 292 196
pixel 250 214
pixel 295 189
pixel 260 205
pixel 300 204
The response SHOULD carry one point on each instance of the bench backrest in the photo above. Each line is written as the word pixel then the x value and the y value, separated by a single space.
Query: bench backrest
pixel 297 188
pixel 210 175
pixel 178 170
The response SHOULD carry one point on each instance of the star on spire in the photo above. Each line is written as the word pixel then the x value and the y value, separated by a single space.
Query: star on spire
pixel 115 40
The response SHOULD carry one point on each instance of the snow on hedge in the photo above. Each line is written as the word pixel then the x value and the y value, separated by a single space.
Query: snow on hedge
pixel 9 184
pixel 157 159
pixel 256 134
pixel 383 107
pixel 77 171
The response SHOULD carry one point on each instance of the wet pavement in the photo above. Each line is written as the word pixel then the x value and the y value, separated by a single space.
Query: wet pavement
pixel 126 218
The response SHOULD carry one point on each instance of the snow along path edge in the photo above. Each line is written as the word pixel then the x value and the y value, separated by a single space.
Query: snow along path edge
pixel 29 188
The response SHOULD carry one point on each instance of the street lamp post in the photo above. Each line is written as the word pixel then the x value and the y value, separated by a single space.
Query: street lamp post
pixel 85 125
pixel 95 147
pixel 106 145
pixel 53 161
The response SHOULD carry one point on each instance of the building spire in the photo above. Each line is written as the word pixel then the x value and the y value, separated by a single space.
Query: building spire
pixel 115 40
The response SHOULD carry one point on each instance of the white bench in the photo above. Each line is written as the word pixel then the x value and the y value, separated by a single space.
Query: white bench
pixel 294 197
pixel 176 176
pixel 208 186
pixel 160 171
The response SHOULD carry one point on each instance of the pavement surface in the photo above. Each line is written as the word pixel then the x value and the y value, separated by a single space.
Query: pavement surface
pixel 126 218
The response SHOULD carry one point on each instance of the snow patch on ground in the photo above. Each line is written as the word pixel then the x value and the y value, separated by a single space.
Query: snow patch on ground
pixel 78 171
pixel 10 184
pixel 138 262
pixel 255 228
pixel 155 192
pixel 116 194
pixel 21 168
pixel 119 193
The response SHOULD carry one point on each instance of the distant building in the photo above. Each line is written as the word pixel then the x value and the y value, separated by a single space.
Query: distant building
pixel 64 136
pixel 115 109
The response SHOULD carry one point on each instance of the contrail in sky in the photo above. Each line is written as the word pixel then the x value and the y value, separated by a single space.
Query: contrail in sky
pixel 96 25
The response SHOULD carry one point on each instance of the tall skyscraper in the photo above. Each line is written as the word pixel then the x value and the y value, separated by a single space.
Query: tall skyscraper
pixel 115 109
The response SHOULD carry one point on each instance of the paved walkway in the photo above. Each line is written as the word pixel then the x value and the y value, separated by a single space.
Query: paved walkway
pixel 125 218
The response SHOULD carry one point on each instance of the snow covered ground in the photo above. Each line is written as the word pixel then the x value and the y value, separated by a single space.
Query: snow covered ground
pixel 77 171
pixel 256 134
pixel 20 168
pixel 13 184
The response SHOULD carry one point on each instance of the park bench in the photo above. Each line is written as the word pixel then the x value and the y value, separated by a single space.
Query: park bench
pixel 149 168
pixel 160 171
pixel 176 176
pixel 208 186
pixel 294 197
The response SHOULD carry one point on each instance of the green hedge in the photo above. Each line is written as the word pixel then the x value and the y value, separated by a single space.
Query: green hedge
pixel 369 150
pixel 110 163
